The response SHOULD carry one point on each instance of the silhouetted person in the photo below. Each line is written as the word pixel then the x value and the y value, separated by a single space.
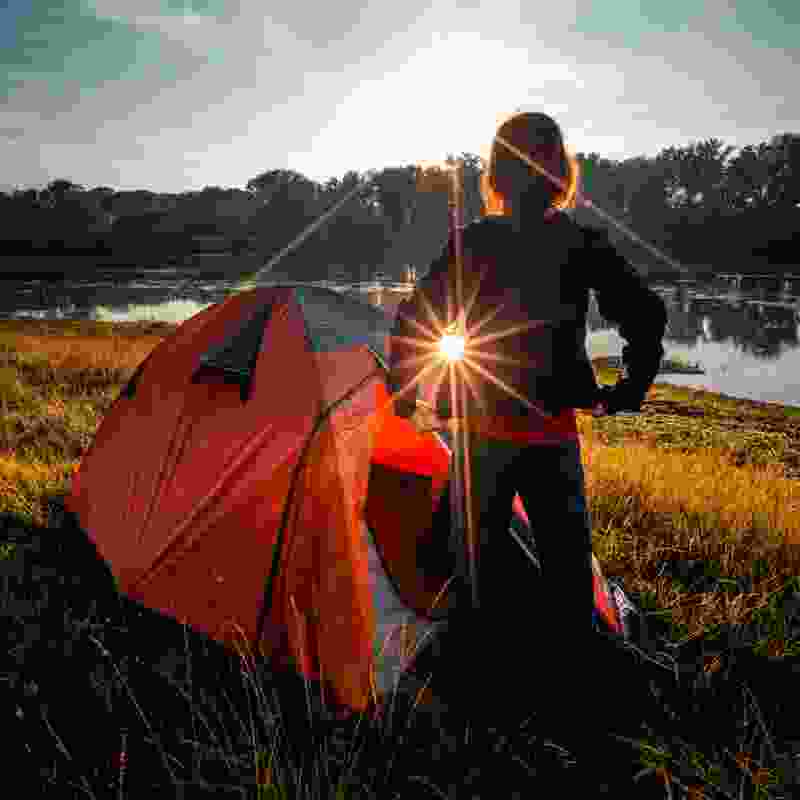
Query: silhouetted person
pixel 527 268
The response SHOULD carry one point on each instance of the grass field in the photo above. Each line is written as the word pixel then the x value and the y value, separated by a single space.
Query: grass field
pixel 695 504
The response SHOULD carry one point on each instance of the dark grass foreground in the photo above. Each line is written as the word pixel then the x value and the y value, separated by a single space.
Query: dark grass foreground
pixel 86 675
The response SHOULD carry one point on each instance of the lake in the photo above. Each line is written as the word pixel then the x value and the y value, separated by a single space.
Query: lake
pixel 746 341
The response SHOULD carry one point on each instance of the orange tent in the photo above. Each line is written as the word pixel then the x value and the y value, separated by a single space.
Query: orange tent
pixel 252 482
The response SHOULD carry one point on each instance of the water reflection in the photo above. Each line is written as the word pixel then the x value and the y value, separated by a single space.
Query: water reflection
pixel 169 311
pixel 750 325
pixel 748 342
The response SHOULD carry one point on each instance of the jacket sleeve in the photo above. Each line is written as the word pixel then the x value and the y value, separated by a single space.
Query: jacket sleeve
pixel 625 299
pixel 414 330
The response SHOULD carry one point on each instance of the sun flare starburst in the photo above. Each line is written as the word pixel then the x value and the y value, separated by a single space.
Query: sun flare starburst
pixel 452 346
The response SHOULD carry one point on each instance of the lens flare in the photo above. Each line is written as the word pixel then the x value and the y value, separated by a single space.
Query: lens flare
pixel 452 357
pixel 452 347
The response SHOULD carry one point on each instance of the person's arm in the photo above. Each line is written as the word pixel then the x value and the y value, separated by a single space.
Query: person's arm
pixel 408 336
pixel 625 299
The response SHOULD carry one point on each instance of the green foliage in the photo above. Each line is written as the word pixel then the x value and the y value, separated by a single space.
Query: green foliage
pixel 7 551
pixel 760 568
pixel 678 631
pixel 711 773
pixel 648 601
pixel 401 216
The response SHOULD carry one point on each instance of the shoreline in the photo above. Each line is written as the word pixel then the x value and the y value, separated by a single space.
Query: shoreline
pixel 148 328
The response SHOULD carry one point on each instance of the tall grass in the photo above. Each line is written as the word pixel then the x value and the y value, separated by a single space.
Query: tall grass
pixel 651 505
pixel 700 518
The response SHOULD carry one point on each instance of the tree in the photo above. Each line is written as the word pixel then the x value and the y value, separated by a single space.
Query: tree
pixel 355 239
pixel 21 216
pixel 429 228
pixel 399 215
pixel 747 177
pixel 280 184
pixel 645 191
pixel 73 218
pixel 287 203
pixel 396 194
pixel 783 169
pixel 58 190
pixel 695 172
pixel 103 198
pixel 472 168
pixel 602 183
pixel 138 201
pixel 139 233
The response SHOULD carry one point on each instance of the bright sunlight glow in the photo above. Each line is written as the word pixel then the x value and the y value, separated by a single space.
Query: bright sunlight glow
pixel 452 347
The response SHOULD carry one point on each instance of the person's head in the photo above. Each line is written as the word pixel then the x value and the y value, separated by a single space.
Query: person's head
pixel 509 182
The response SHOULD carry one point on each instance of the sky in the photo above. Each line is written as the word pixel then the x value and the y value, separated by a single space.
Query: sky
pixel 176 95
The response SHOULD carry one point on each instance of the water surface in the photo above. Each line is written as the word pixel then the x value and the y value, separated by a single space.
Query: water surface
pixel 748 342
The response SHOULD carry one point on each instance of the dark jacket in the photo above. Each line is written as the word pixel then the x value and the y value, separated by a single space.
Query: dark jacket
pixel 539 276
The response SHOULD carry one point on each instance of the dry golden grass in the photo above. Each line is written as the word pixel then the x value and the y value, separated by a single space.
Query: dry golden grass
pixel 659 486
pixel 703 482
pixel 82 352
pixel 652 505
pixel 54 390
pixel 23 486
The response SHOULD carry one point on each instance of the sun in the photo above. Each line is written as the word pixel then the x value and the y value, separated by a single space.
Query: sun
pixel 452 347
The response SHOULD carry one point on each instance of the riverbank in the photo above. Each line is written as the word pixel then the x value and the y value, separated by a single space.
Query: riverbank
pixel 695 505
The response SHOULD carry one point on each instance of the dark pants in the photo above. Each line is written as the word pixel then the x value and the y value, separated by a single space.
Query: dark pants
pixel 530 628
pixel 550 481
pixel 529 651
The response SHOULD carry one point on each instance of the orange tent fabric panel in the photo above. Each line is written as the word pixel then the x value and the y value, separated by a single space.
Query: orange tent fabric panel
pixel 408 474
pixel 399 515
pixel 397 444
pixel 326 566
pixel 196 542
pixel 144 516
pixel 325 569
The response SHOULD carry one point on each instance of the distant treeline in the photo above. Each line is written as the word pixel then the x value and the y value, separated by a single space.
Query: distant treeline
pixel 702 205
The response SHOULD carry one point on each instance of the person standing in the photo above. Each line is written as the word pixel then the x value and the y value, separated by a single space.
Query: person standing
pixel 520 277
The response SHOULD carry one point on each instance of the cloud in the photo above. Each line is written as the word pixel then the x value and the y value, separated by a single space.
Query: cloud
pixel 239 27
pixel 203 65
pixel 196 31
pixel 12 133
pixel 214 91
pixel 146 13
